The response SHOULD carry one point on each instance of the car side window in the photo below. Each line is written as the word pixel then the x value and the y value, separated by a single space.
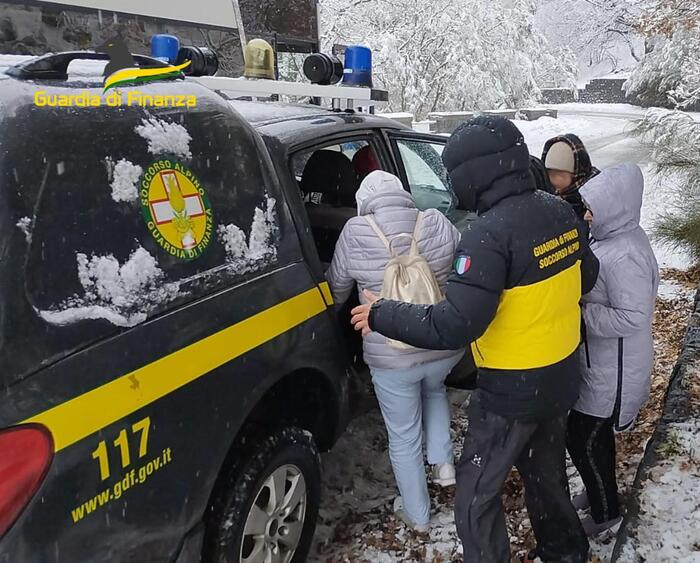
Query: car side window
pixel 331 174
pixel 427 177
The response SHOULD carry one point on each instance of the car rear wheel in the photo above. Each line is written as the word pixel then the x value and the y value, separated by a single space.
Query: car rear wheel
pixel 267 512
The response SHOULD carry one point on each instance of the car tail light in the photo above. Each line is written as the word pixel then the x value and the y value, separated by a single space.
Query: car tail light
pixel 25 455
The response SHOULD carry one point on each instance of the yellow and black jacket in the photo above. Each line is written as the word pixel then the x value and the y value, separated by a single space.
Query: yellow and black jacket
pixel 519 274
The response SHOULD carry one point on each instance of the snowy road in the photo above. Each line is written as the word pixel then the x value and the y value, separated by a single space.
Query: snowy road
pixel 616 111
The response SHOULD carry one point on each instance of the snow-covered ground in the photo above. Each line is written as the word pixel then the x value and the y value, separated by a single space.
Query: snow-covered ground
pixel 623 111
pixel 356 522
pixel 669 522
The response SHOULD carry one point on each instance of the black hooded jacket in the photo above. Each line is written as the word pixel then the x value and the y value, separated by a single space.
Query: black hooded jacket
pixel 519 273
pixel 583 170
pixel 540 176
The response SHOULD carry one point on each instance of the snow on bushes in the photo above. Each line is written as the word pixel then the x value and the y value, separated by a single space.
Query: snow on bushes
pixel 124 294
pixel 673 138
pixel 447 55
pixel 669 74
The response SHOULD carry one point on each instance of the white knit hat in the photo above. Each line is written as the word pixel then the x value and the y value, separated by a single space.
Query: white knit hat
pixel 560 157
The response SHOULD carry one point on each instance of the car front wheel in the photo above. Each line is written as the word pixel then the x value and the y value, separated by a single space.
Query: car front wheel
pixel 267 512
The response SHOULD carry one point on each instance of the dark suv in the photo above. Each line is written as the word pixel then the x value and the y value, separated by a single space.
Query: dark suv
pixel 170 360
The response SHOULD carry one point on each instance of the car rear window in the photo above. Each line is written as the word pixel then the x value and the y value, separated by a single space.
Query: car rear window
pixel 130 214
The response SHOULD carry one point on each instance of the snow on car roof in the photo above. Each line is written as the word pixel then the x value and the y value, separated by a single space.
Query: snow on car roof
pixel 259 112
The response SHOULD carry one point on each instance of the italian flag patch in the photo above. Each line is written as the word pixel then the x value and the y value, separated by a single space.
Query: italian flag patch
pixel 462 264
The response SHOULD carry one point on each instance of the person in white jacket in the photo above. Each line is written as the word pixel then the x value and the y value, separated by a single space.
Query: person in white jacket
pixel 409 383
pixel 617 354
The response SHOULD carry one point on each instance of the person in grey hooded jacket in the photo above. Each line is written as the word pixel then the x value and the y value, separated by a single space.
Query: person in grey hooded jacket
pixel 617 356
pixel 409 383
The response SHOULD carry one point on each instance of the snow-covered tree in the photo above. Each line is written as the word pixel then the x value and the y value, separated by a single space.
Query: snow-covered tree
pixel 450 54
pixel 669 74
pixel 291 66
pixel 603 33
pixel 673 138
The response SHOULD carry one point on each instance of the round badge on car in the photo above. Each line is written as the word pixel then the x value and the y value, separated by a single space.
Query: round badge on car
pixel 176 209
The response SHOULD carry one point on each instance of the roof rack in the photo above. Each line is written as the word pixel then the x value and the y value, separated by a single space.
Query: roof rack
pixel 258 88
pixel 54 66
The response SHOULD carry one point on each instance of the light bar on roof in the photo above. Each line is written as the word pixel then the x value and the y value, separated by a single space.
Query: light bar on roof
pixel 240 87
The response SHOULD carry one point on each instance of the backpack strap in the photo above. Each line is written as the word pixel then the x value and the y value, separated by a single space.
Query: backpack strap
pixel 416 231
pixel 372 223
pixel 389 244
pixel 402 235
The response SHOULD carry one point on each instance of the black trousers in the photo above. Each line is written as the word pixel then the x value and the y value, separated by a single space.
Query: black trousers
pixel 492 445
pixel 591 444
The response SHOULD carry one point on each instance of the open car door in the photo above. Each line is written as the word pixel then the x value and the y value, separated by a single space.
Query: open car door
pixel 419 164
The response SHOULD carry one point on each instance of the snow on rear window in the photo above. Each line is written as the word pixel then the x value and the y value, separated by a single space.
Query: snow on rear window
pixel 261 246
pixel 25 225
pixel 165 138
pixel 124 179
pixel 124 294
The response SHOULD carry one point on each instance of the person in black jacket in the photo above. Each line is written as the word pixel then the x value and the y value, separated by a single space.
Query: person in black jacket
pixel 520 270
pixel 568 166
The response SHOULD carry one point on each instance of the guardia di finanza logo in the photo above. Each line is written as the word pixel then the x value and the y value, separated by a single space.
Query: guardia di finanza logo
pixel 122 71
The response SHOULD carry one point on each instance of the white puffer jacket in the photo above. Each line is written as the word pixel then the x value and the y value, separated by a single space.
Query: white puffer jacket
pixel 360 258
pixel 618 354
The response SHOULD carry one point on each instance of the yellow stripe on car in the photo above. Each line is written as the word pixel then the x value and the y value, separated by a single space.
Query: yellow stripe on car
pixel 84 415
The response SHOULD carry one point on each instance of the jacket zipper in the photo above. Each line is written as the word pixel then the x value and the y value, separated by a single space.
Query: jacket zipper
pixel 618 398
pixel 585 343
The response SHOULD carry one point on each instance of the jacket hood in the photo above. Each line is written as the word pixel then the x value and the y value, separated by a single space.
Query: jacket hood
pixel 540 176
pixel 583 169
pixel 487 160
pixel 615 198
pixel 381 189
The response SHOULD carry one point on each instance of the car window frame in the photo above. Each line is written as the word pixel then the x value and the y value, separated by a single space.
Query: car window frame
pixel 372 136
pixel 393 137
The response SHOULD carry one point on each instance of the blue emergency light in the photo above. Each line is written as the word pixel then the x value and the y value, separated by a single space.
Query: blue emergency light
pixel 165 48
pixel 358 67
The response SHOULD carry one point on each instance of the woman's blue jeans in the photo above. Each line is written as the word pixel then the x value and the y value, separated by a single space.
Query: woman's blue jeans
pixel 412 401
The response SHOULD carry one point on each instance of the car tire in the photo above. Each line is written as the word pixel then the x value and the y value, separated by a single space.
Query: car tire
pixel 269 504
